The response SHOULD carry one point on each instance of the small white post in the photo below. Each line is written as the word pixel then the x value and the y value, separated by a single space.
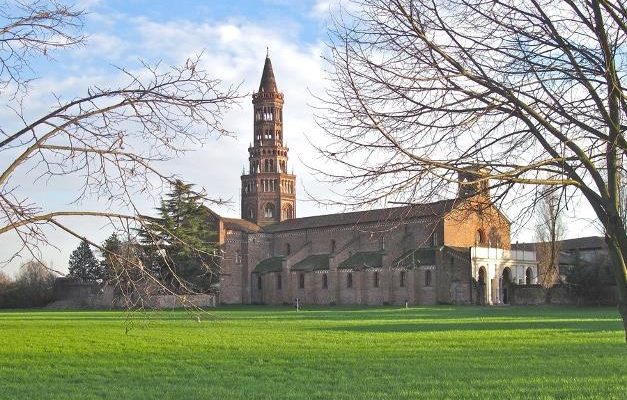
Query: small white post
pixel 297 304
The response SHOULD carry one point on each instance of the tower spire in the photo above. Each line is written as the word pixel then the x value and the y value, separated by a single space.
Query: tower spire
pixel 268 190
pixel 268 82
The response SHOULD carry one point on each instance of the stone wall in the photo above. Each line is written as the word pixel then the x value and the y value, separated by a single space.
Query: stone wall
pixel 69 294
pixel 531 295
pixel 558 295
pixel 172 301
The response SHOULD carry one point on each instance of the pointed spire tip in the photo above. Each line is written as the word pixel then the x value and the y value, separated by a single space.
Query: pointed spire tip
pixel 268 83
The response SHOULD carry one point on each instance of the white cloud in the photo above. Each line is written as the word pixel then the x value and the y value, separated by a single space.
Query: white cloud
pixel 234 51
pixel 323 9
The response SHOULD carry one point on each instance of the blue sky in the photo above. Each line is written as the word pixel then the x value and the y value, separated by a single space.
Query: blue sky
pixel 233 35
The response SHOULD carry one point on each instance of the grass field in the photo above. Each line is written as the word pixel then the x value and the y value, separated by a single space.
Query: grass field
pixel 349 353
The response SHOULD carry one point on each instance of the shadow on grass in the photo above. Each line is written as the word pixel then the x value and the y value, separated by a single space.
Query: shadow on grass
pixel 422 318
pixel 579 326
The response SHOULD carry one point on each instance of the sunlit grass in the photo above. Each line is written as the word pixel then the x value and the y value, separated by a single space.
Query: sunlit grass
pixel 369 353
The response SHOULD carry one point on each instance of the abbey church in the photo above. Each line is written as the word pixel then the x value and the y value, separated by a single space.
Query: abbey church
pixel 452 251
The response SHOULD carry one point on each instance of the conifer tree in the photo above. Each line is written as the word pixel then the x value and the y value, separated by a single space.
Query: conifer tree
pixel 110 261
pixel 179 243
pixel 83 264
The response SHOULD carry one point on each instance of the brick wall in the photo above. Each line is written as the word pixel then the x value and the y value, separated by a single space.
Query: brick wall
pixel 461 225
pixel 450 282
pixel 232 266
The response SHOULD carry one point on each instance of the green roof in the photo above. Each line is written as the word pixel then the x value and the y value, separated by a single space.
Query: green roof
pixel 415 258
pixel 363 259
pixel 315 262
pixel 272 264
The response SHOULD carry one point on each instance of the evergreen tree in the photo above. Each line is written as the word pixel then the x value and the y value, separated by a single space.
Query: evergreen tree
pixel 83 264
pixel 179 243
pixel 110 260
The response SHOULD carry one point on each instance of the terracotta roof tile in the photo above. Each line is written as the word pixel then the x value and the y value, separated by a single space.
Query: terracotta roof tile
pixel 315 262
pixel 272 264
pixel 363 259
pixel 435 210
pixel 237 224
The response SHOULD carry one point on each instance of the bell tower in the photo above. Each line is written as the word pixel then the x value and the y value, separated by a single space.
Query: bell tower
pixel 268 191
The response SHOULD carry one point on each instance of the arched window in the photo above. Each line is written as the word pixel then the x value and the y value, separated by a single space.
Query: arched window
pixel 325 281
pixel 301 281
pixel 481 278
pixel 288 249
pixel 528 275
pixel 259 282
pixel 279 282
pixel 507 275
pixel 269 210
pixel 403 277
pixel 428 278
pixel 251 213
pixel 434 239
pixel 376 279
pixel 288 211
pixel 480 236
pixel 332 245
pixel 495 238
pixel 349 280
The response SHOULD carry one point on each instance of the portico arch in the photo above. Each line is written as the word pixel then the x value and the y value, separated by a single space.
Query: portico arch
pixel 506 281
pixel 528 276
pixel 482 293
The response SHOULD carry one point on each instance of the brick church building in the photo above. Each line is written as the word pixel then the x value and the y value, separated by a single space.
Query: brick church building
pixel 451 251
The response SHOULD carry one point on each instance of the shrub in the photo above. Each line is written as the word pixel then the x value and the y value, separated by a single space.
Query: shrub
pixel 33 287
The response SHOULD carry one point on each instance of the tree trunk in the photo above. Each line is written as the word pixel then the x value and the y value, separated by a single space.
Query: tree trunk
pixel 619 269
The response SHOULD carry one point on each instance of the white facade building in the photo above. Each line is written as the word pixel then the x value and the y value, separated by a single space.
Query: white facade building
pixel 495 269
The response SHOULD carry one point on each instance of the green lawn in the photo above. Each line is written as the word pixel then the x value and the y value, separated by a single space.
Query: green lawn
pixel 321 353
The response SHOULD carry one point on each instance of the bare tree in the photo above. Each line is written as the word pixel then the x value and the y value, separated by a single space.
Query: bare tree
pixel 110 140
pixel 34 285
pixel 532 89
pixel 550 231
pixel 4 279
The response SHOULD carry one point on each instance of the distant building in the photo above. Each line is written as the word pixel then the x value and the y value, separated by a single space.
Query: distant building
pixel 451 251
pixel 574 253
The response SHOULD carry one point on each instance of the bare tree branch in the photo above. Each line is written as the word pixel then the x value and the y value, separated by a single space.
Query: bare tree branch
pixel 533 90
